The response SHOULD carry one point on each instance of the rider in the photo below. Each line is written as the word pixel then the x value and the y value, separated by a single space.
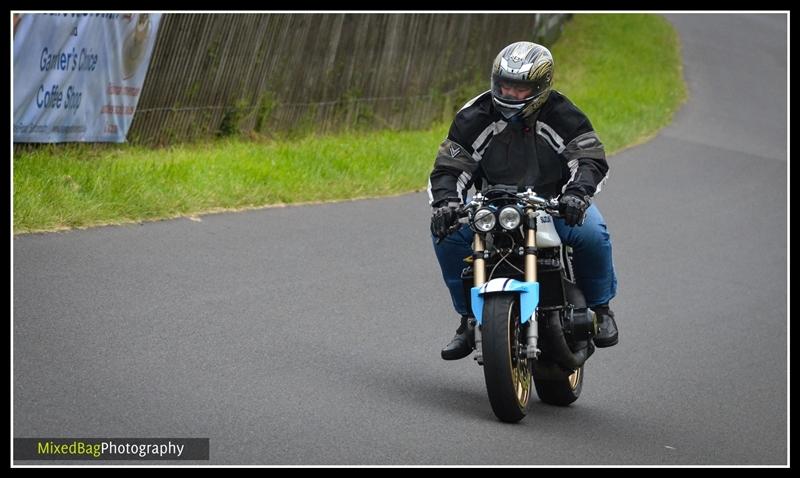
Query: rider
pixel 524 132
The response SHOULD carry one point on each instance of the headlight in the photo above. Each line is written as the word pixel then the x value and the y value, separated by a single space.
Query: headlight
pixel 510 218
pixel 484 220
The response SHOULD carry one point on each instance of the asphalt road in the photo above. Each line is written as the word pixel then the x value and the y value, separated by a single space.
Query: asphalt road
pixel 311 335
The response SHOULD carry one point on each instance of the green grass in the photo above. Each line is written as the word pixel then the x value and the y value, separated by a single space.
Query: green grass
pixel 623 70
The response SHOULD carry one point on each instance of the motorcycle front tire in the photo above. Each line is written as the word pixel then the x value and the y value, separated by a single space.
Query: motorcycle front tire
pixel 507 371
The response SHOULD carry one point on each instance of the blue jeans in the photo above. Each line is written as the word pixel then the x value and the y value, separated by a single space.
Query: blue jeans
pixel 591 246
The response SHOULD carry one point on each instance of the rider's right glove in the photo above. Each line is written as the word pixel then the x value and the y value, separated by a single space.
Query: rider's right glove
pixel 443 221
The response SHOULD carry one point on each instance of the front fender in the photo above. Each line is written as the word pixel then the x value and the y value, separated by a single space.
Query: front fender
pixel 528 299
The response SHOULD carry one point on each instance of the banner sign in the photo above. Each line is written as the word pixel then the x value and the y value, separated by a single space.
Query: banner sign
pixel 78 76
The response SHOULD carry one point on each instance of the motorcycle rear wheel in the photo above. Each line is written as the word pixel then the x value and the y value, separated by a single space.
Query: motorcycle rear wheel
pixel 506 368
pixel 560 392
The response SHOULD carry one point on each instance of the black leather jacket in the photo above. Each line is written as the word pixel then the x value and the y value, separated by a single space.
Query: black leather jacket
pixel 555 150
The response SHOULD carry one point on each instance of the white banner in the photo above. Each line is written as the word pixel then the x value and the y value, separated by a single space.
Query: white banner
pixel 78 76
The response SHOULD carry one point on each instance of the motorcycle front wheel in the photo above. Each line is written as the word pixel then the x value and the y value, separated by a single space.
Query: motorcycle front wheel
pixel 506 368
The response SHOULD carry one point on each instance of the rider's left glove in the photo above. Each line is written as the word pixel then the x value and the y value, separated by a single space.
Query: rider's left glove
pixel 573 208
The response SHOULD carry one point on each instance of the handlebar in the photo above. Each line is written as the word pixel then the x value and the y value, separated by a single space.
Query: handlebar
pixel 463 211
pixel 550 205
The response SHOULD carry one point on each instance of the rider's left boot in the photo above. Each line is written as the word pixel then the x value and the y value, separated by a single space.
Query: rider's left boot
pixel 607 334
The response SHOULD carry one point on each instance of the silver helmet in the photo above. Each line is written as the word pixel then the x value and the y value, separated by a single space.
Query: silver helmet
pixel 522 66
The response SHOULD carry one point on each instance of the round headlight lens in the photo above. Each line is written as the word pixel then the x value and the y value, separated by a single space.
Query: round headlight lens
pixel 510 218
pixel 484 220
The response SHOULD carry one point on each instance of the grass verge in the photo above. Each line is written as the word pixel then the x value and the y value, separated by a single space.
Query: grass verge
pixel 623 70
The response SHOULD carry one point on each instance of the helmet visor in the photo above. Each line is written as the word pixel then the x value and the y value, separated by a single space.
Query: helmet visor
pixel 518 91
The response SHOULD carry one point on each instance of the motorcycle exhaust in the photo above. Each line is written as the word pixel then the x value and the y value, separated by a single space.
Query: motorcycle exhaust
pixel 554 345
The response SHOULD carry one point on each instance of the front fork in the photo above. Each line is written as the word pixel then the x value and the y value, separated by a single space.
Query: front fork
pixel 479 271
pixel 532 350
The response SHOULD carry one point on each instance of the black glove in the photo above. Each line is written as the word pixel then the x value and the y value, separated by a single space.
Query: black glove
pixel 573 208
pixel 443 221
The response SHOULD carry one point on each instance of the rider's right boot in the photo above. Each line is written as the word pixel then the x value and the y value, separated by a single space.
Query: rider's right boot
pixel 461 345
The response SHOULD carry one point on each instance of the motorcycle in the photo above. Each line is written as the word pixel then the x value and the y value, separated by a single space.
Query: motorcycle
pixel 532 328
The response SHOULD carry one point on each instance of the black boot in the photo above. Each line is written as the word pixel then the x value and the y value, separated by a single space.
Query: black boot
pixel 461 345
pixel 607 334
